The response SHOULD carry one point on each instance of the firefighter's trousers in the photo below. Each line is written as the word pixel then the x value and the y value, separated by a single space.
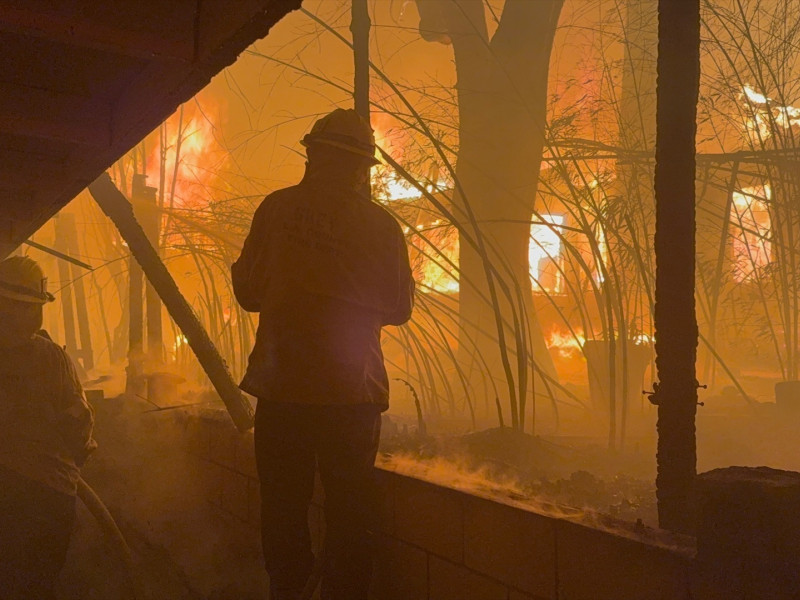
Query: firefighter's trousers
pixel 293 441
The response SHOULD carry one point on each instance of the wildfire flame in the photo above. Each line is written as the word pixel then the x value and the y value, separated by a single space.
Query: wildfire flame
pixel 180 341
pixel 544 253
pixel 192 158
pixel 766 114
pixel 442 244
pixel 751 245
pixel 566 343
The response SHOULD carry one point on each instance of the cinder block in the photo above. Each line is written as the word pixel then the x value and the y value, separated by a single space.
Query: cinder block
pixel 193 471
pixel 401 571
pixel 213 482
pixel 597 565
pixel 234 494
pixel 448 581
pixel 198 437
pixel 385 484
pixel 222 445
pixel 245 456
pixel 748 532
pixel 429 516
pixel 510 544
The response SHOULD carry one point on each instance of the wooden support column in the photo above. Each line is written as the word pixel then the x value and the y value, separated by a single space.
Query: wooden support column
pixel 675 318
pixel 135 381
pixel 81 309
pixel 145 209
pixel 73 293
pixel 359 27
pixel 67 306
pixel 119 210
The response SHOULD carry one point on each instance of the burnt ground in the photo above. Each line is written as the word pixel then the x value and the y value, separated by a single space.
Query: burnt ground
pixel 580 472
pixel 580 475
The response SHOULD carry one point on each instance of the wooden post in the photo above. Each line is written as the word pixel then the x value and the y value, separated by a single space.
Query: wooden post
pixel 72 289
pixel 81 309
pixel 675 318
pixel 119 210
pixel 359 27
pixel 145 209
pixel 135 381
pixel 67 307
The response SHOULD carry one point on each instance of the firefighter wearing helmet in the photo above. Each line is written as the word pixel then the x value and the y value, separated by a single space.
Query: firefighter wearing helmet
pixel 45 436
pixel 326 268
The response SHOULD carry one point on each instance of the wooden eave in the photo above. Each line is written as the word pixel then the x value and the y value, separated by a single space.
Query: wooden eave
pixel 82 82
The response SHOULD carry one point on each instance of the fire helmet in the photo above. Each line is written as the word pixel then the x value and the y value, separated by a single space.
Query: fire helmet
pixel 22 279
pixel 345 129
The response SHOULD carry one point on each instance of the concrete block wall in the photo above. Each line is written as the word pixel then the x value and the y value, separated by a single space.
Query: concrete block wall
pixel 226 464
pixel 437 543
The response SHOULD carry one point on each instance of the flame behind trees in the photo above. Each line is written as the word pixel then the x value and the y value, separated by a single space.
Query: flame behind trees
pixel 604 244
pixel 502 91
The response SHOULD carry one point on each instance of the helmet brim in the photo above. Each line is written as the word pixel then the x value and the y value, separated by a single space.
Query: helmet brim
pixel 27 298
pixel 352 149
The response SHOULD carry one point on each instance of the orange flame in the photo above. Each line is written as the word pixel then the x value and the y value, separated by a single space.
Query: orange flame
pixel 187 157
pixel 568 344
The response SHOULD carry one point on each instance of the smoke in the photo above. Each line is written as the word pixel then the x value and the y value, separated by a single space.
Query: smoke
pixel 486 483
pixel 148 472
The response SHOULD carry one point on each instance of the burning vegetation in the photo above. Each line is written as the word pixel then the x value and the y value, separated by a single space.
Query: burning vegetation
pixel 520 166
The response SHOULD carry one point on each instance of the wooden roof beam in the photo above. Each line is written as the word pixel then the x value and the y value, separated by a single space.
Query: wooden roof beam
pixel 177 43
pixel 52 115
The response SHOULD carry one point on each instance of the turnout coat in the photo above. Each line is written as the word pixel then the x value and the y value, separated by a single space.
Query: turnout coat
pixel 326 268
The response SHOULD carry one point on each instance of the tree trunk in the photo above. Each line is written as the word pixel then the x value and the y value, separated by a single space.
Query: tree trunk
pixel 502 98
pixel 675 319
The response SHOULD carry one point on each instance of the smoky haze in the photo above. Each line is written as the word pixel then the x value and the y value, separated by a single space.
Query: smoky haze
pixel 568 231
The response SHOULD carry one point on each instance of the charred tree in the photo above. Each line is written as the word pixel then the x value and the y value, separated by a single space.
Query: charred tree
pixel 675 319
pixel 502 94
pixel 119 210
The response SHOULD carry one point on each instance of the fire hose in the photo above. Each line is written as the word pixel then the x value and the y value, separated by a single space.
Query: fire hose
pixel 114 536
pixel 111 532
